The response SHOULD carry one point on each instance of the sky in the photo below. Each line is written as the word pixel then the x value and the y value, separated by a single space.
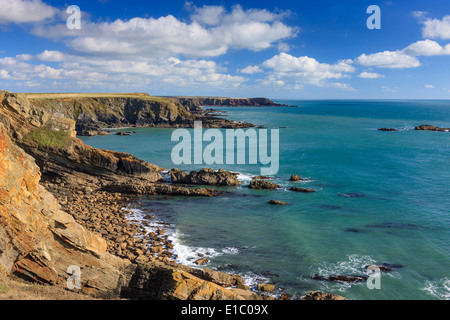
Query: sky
pixel 278 49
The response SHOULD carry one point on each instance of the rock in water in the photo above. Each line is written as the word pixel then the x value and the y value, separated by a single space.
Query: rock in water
pixel 276 202
pixel 302 190
pixel 207 177
pixel 295 177
pixel 263 184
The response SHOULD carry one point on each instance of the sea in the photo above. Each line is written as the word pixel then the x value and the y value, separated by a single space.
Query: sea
pixel 381 198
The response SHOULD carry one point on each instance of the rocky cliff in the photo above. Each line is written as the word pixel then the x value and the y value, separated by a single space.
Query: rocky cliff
pixel 226 102
pixel 91 113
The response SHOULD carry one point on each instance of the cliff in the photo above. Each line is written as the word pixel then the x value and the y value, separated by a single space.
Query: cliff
pixel 92 112
pixel 226 102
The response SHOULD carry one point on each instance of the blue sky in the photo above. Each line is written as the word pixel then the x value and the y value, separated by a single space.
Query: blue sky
pixel 277 49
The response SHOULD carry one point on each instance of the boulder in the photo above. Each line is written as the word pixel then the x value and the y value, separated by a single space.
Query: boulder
pixel 295 177
pixel 266 287
pixel 263 184
pixel 387 129
pixel 276 202
pixel 207 177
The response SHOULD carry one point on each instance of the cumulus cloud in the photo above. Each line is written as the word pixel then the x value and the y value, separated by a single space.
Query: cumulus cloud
pixel 370 75
pixel 427 48
pixel 25 11
pixel 306 70
pixel 251 70
pixel 435 28
pixel 389 59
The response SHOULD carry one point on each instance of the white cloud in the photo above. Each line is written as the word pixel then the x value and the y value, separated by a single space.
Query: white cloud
pixel 251 70
pixel 429 86
pixel 212 32
pixel 370 75
pixel 389 59
pixel 427 48
pixel 435 28
pixel 25 11
pixel 306 70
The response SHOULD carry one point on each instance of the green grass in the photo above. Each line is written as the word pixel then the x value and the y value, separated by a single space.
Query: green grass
pixel 46 137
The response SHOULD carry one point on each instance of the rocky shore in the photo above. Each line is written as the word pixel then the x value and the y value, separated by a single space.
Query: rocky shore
pixel 64 203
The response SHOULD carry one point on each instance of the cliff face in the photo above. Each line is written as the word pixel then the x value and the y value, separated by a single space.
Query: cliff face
pixel 50 138
pixel 227 102
pixel 92 113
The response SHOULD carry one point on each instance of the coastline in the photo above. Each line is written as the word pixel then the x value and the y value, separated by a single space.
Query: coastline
pixel 74 197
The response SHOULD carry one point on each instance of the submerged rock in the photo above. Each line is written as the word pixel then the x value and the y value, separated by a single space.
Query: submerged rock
pixel 387 129
pixel 302 190
pixel 322 296
pixel 339 278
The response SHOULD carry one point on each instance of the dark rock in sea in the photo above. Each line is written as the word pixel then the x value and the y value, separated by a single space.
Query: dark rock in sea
pixel 276 202
pixel 123 134
pixel 263 184
pixel 304 190
pixel 354 230
pixel 426 127
pixel 295 177
pixel 392 265
pixel 352 195
pixel 389 225
pixel 387 129
pixel 205 177
pixel 322 296
pixel 262 178
pixel 340 278
pixel 332 207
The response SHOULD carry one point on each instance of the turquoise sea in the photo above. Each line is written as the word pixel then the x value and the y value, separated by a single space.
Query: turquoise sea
pixel 382 197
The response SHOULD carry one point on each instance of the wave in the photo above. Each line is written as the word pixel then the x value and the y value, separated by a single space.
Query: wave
pixel 439 288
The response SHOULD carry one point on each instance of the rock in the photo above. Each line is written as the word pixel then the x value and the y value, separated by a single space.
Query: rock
pixel 285 297
pixel 266 287
pixel 276 202
pixel 262 178
pixel 302 190
pixel 201 262
pixel 322 296
pixel 295 177
pixel 205 177
pixel 123 134
pixel 223 279
pixel 340 278
pixel 263 184
pixel 387 129
pixel 431 128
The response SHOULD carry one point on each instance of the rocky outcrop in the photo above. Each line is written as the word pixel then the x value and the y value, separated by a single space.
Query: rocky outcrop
pixel 263 184
pixel 431 128
pixel 207 177
pixel 50 138
pixel 388 129
pixel 295 178
pixel 339 278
